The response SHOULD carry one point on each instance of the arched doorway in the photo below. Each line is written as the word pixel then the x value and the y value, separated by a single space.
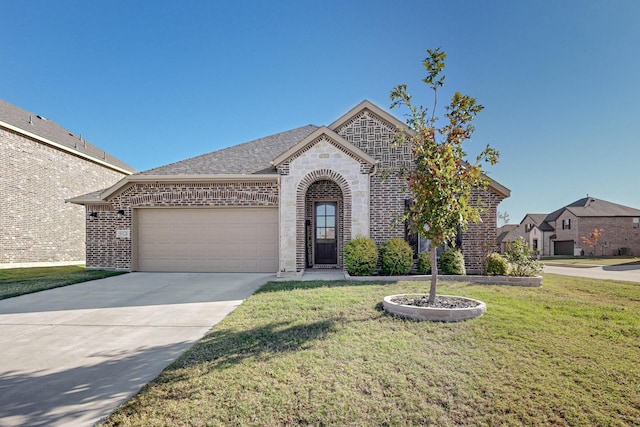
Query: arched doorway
pixel 324 219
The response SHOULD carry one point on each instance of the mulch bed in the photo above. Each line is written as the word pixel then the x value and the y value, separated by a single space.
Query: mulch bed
pixel 440 301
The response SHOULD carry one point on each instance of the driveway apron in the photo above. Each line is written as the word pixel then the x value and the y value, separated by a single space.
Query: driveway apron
pixel 69 356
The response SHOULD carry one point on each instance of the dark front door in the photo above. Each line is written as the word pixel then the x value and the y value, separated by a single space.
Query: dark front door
pixel 326 241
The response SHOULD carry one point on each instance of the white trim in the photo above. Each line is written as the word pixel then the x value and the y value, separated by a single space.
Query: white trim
pixel 64 148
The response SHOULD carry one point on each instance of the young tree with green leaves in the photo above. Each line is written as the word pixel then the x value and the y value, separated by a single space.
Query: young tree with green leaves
pixel 442 179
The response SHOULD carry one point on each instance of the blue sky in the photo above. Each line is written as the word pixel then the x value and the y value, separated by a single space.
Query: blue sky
pixel 154 82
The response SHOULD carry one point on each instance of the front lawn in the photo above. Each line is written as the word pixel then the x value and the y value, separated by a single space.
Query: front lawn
pixel 19 281
pixel 323 353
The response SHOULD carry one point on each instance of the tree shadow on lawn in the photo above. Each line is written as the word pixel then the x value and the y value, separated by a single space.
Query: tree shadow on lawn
pixel 310 284
pixel 314 284
pixel 222 349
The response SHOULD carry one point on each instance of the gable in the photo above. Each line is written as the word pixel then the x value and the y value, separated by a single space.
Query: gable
pixel 372 130
pixel 322 134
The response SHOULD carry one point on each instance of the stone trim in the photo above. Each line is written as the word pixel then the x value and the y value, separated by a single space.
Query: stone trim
pixel 283 169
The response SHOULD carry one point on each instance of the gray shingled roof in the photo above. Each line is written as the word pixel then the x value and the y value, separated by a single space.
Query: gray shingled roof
pixel 253 157
pixel 44 128
pixel 590 206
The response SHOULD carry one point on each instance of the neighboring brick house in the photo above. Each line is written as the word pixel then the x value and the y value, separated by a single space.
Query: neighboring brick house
pixel 281 204
pixel 561 232
pixel 43 164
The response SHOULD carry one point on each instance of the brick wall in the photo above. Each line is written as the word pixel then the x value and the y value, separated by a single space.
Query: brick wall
pixel 374 136
pixel 480 238
pixel 619 232
pixel 37 225
pixel 105 250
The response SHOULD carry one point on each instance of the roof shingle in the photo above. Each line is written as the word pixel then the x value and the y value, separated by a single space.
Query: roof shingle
pixel 253 157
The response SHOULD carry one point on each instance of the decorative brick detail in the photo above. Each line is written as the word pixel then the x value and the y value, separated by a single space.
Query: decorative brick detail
pixel 105 250
pixel 37 225
pixel 375 137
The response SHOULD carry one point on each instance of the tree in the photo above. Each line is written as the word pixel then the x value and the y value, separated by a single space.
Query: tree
pixel 503 217
pixel 442 180
pixel 593 238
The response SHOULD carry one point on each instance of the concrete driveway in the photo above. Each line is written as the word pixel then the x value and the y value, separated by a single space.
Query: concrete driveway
pixel 70 356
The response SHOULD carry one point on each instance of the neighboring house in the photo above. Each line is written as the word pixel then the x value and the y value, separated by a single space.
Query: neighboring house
pixel 507 233
pixel 43 164
pixel 561 232
pixel 281 204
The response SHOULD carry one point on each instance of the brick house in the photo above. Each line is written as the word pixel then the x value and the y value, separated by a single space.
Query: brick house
pixel 42 165
pixel 561 232
pixel 281 204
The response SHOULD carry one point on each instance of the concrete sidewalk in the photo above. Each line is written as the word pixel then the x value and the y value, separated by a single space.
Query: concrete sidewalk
pixel 71 355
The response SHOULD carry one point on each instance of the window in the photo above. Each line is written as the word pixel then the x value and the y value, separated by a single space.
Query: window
pixel 566 224
pixel 636 222
pixel 528 227
pixel 535 244
pixel 325 221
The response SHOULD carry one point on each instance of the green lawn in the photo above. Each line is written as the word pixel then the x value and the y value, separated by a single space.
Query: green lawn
pixel 590 262
pixel 323 353
pixel 19 281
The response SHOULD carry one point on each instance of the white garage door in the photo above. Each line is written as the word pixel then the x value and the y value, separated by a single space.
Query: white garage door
pixel 207 240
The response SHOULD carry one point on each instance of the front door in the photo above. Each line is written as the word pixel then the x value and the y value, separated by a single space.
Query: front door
pixel 326 239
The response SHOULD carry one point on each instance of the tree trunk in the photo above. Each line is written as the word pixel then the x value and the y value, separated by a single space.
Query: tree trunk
pixel 434 273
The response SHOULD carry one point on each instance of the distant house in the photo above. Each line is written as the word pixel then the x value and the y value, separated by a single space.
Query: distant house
pixel 43 164
pixel 508 233
pixel 278 204
pixel 561 232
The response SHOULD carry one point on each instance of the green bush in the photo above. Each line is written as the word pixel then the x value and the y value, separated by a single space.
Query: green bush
pixel 424 263
pixel 497 265
pixel 521 261
pixel 361 256
pixel 396 256
pixel 452 262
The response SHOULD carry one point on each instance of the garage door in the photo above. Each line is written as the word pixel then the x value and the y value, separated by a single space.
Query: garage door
pixel 563 247
pixel 207 240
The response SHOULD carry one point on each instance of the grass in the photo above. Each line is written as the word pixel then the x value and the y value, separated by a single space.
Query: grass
pixel 323 353
pixel 20 281
pixel 585 261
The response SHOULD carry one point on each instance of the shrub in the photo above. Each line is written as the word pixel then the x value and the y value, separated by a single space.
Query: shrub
pixel 521 261
pixel 424 263
pixel 497 265
pixel 361 256
pixel 452 262
pixel 397 257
